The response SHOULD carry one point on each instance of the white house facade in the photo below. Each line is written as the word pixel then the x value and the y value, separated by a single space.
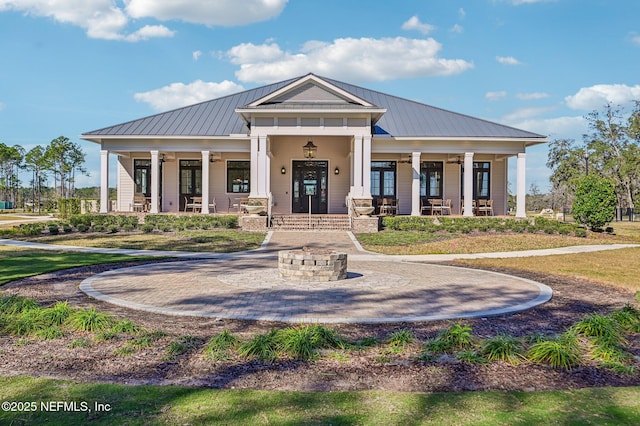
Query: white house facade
pixel 312 145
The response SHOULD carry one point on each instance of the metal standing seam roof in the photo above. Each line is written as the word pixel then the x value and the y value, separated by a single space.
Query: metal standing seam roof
pixel 404 118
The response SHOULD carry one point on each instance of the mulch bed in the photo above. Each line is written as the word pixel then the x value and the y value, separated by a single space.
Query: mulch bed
pixel 357 370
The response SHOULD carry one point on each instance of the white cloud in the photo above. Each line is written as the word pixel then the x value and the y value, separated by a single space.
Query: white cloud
pixel 101 19
pixel 363 59
pixel 414 24
pixel 495 96
pixel 457 28
pixel 635 38
pixel 224 13
pixel 532 96
pixel 526 113
pixel 1 106
pixel 177 95
pixel 462 13
pixel 597 96
pixel 196 55
pixel 555 128
pixel 508 60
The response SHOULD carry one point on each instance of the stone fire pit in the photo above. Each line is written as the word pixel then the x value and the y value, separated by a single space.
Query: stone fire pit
pixel 312 265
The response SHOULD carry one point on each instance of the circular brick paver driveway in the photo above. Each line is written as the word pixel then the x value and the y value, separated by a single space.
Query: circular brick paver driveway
pixel 247 286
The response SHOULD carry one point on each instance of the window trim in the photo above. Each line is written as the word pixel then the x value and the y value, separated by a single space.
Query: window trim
pixel 248 168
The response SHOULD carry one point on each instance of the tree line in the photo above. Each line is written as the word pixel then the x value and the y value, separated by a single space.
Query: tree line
pixel 62 158
pixel 610 149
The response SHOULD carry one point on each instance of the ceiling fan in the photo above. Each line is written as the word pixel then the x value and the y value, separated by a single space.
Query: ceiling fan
pixel 457 161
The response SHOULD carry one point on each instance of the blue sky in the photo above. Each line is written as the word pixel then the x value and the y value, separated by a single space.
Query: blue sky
pixel 71 66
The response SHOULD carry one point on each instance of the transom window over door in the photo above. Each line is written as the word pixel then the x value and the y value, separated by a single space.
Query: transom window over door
pixel 238 173
pixel 383 180
pixel 431 179
pixel 481 180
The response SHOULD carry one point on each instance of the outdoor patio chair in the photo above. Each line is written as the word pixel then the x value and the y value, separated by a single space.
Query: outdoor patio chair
pixel 436 206
pixel 446 207
pixel 139 203
pixel 485 207
pixel 425 209
pixel 194 205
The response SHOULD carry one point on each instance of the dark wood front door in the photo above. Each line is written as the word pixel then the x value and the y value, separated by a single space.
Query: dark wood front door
pixel 310 183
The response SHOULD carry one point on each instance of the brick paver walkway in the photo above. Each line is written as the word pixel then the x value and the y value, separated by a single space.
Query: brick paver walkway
pixel 378 288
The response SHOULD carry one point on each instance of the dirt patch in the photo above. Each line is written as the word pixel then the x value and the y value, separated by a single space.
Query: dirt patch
pixel 372 368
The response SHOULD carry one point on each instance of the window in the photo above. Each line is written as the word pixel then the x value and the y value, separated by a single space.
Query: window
pixel 481 180
pixel 142 176
pixel 431 179
pixel 383 179
pixel 238 173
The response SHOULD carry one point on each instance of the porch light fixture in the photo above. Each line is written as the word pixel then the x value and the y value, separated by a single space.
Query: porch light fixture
pixel 309 149
pixel 336 171
pixel 283 170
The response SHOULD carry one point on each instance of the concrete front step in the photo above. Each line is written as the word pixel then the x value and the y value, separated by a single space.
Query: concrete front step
pixel 317 222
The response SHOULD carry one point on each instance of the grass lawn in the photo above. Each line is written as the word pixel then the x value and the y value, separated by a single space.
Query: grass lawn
pixel 220 241
pixel 617 268
pixel 18 262
pixel 145 405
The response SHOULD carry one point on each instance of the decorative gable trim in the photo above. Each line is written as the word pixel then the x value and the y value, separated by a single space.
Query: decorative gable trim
pixel 294 89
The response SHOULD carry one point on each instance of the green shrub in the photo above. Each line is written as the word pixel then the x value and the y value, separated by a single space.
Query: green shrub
pixel 581 232
pixel 16 304
pixel 25 323
pixel 113 229
pixel 80 219
pixel 98 228
pixel 53 229
pixel 147 228
pixel 83 228
pixel 595 201
pixel 68 207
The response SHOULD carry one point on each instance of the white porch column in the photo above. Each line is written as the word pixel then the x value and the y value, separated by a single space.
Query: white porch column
pixel 366 166
pixel 521 207
pixel 253 174
pixel 205 182
pixel 415 184
pixel 357 166
pixel 104 181
pixel 263 166
pixel 155 180
pixel 468 184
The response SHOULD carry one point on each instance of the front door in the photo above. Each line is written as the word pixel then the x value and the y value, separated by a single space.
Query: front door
pixel 310 186
pixel 190 180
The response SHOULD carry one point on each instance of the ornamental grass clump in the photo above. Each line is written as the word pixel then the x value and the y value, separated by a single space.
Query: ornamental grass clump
pixel 219 346
pixel 90 320
pixel 601 327
pixel 502 347
pixel 456 337
pixel 263 346
pixel 303 342
pixel 181 345
pixel 563 351
pixel 401 338
pixel 56 315
pixel 16 304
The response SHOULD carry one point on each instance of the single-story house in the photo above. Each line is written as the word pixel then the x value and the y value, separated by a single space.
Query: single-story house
pixel 312 143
